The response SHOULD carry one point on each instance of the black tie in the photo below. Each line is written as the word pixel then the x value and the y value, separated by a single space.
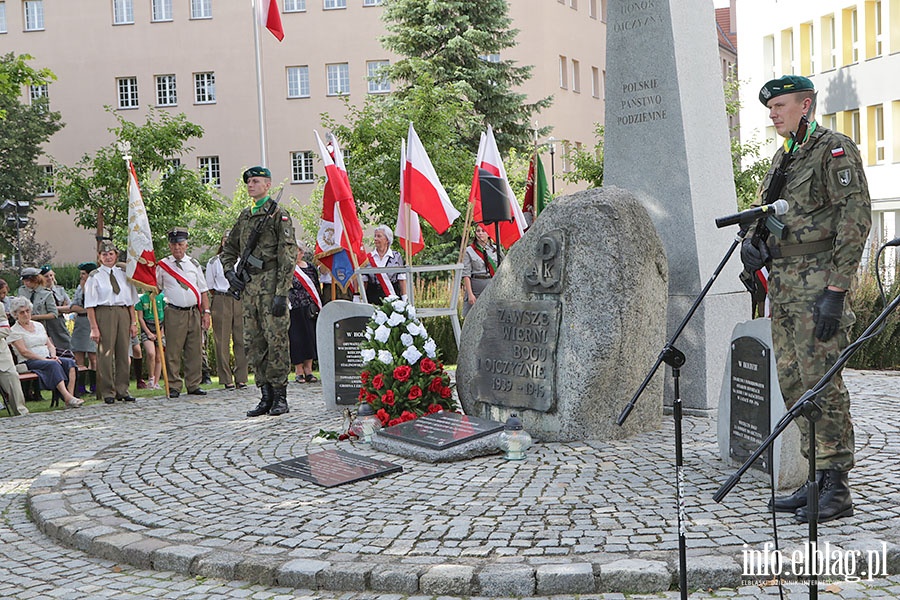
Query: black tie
pixel 33 292
pixel 114 283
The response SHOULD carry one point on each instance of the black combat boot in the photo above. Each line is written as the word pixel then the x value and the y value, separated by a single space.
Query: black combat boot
pixel 280 406
pixel 834 498
pixel 797 499
pixel 265 402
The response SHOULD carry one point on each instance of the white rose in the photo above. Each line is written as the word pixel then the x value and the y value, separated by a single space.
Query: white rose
pixel 369 333
pixel 392 297
pixel 380 317
pixel 411 311
pixel 385 356
pixel 412 355
pixel 368 355
pixel 406 339
pixel 395 319
pixel 430 347
pixel 422 331
pixel 412 328
pixel 399 305
pixel 382 334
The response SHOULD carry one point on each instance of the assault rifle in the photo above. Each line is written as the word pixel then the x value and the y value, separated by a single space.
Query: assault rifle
pixel 772 224
pixel 247 259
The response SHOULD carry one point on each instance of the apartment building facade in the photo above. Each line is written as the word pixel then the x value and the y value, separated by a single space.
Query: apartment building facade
pixel 851 51
pixel 197 57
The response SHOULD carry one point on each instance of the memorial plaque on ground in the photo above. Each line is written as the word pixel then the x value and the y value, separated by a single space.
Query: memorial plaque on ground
pixel 515 361
pixel 348 364
pixel 442 430
pixel 333 467
pixel 750 400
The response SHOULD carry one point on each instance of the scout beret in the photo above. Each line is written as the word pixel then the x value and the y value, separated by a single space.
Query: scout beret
pixel 257 172
pixel 46 269
pixel 178 234
pixel 107 245
pixel 87 266
pixel 784 85
pixel 30 272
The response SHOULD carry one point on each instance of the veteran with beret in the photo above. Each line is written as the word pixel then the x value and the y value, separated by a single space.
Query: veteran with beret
pixel 264 297
pixel 811 267
pixel 109 299
pixel 181 279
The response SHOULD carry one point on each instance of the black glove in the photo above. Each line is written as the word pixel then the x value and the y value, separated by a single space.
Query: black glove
pixel 236 283
pixel 279 306
pixel 754 256
pixel 827 313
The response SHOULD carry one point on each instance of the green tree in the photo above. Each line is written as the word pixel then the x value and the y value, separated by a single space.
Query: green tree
pixel 587 165
pixel 462 42
pixel 24 128
pixel 98 185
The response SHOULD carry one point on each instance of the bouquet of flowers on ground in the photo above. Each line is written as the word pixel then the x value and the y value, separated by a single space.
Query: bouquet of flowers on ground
pixel 403 377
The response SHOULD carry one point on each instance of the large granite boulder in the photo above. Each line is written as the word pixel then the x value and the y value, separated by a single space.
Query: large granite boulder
pixel 574 319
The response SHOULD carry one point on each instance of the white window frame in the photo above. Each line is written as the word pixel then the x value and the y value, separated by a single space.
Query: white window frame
pixel 210 170
pixel 294 6
pixel 595 82
pixel 302 167
pixel 3 16
pixel 127 93
pixel 33 12
pixel 854 35
pixel 161 11
pixel 371 2
pixel 576 76
pixel 297 81
pixel 48 176
pixel 563 72
pixel 592 8
pixel 334 4
pixel 205 87
pixel 377 84
pixel 123 12
pixel 337 75
pixel 166 90
pixel 38 91
pixel 201 9
pixel 879 135
pixel 880 38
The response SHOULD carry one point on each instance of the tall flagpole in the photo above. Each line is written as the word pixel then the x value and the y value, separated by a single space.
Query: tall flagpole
pixel 259 87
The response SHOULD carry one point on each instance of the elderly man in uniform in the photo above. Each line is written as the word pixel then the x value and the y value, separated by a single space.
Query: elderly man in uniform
pixel 269 266
pixel 810 271
pixel 182 280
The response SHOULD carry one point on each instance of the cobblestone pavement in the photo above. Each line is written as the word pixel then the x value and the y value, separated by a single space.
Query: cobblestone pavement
pixel 167 499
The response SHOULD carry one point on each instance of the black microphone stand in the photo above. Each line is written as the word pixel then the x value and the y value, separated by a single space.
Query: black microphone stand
pixel 808 407
pixel 676 359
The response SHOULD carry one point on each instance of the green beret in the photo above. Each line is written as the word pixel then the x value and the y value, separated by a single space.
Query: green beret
pixel 46 269
pixel 87 266
pixel 784 85
pixel 257 172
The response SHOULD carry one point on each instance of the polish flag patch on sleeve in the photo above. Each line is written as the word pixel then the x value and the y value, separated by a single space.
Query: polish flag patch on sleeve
pixel 836 152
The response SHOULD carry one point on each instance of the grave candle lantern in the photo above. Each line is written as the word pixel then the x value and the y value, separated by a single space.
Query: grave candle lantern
pixel 514 440
pixel 366 423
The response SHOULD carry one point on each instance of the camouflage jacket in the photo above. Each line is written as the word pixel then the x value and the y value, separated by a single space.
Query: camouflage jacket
pixel 277 247
pixel 828 199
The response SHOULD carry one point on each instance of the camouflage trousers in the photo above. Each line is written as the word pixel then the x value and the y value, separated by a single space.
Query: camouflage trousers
pixel 265 335
pixel 802 361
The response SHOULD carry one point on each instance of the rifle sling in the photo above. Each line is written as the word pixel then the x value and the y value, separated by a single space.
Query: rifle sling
pixel 788 250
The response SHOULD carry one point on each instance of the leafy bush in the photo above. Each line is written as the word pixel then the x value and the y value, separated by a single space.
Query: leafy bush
pixel 882 351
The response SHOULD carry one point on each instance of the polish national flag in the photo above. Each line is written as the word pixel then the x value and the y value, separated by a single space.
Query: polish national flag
pixel 408 229
pixel 270 18
pixel 140 266
pixel 338 207
pixel 422 187
pixel 489 159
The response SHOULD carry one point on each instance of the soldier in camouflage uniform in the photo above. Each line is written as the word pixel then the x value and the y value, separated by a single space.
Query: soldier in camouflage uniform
pixel 811 270
pixel 265 316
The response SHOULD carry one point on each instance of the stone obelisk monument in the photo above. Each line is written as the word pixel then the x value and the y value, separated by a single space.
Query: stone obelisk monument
pixel 667 142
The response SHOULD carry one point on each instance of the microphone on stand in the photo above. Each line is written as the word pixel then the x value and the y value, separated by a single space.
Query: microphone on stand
pixel 779 207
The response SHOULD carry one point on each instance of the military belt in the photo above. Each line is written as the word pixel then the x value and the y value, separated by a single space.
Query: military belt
pixel 787 250
pixel 266 266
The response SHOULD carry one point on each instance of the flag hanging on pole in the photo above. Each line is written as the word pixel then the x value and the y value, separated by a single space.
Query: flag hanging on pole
pixel 537 194
pixel 270 18
pixel 408 229
pixel 140 265
pixel 422 187
pixel 488 158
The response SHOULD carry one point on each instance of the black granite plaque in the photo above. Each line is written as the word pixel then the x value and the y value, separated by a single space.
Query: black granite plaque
pixel 349 333
pixel 442 430
pixel 750 400
pixel 516 357
pixel 333 467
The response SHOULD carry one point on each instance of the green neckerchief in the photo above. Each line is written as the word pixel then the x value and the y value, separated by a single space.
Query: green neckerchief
pixel 809 130
pixel 258 205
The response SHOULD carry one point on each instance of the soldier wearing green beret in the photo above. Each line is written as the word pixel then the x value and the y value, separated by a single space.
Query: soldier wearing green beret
pixel 264 297
pixel 810 271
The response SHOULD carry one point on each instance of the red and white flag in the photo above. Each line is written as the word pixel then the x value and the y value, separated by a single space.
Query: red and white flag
pixel 408 229
pixel 308 285
pixel 489 159
pixel 422 187
pixel 140 266
pixel 339 225
pixel 270 18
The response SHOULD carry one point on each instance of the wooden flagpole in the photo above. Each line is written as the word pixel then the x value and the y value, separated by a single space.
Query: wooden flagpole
pixel 159 342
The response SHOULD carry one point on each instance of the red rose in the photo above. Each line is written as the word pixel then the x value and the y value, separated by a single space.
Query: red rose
pixel 388 398
pixel 393 422
pixel 426 365
pixel 383 416
pixel 446 393
pixel 364 376
pixel 370 397
pixel 378 381
pixel 402 373
pixel 362 394
pixel 408 416
pixel 436 384
pixel 415 393
pixel 433 408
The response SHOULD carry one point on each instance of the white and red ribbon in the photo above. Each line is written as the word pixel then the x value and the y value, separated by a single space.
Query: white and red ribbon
pixel 308 285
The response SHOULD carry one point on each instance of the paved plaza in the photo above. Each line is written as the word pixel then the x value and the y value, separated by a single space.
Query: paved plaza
pixel 167 499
